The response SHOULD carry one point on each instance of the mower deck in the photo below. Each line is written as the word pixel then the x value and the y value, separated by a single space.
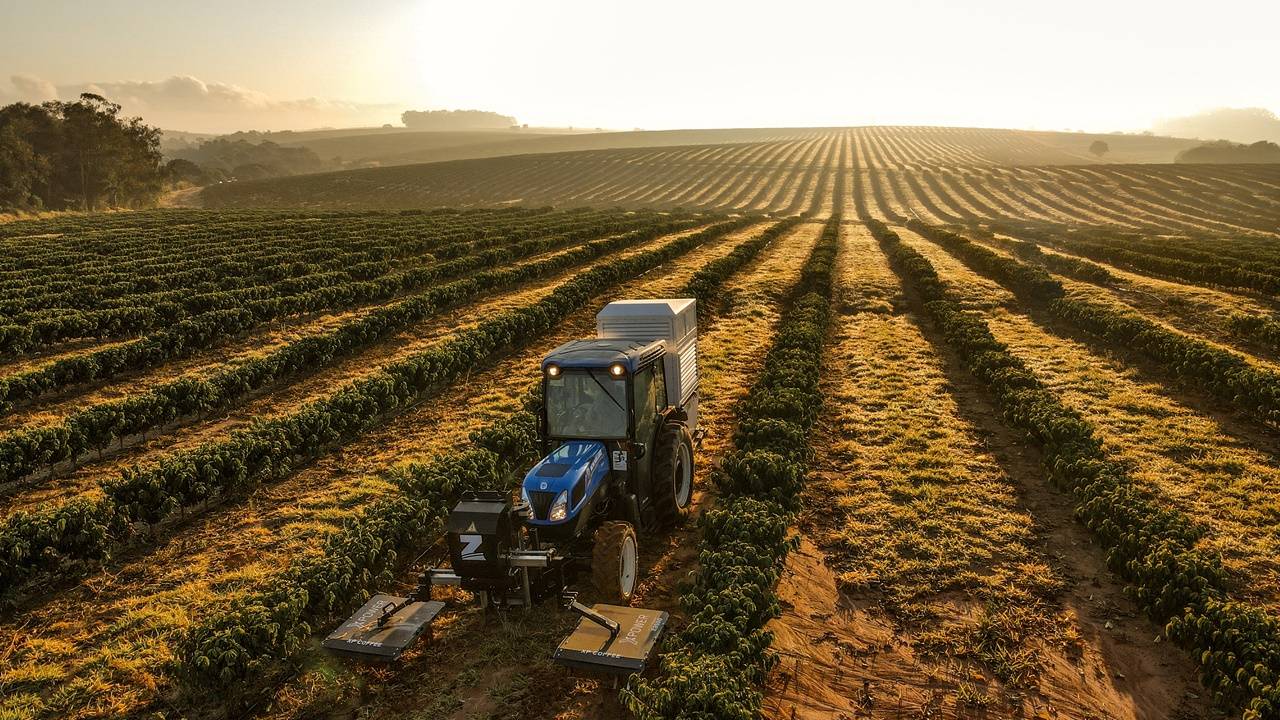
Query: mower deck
pixel 591 647
pixel 381 629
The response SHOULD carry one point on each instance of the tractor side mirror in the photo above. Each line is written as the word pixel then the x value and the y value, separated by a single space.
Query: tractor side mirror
pixel 638 449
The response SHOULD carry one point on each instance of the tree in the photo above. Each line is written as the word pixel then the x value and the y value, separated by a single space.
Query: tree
pixel 180 171
pixel 22 171
pixel 78 154
pixel 1099 148
pixel 29 137
pixel 116 162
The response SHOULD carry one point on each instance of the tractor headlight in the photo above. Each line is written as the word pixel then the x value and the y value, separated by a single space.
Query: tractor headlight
pixel 559 508
pixel 553 371
pixel 617 370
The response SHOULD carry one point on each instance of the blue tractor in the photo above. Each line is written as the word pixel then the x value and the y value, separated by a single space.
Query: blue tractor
pixel 618 429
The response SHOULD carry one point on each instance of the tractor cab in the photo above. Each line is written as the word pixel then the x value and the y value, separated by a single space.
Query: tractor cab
pixel 603 402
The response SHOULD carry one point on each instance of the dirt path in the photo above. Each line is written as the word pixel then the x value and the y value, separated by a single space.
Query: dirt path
pixel 182 198
pixel 939 575
pixel 479 670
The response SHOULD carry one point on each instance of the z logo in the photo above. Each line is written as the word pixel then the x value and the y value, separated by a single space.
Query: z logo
pixel 471 547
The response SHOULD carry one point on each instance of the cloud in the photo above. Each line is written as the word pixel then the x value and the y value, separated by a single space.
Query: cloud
pixel 32 89
pixel 187 103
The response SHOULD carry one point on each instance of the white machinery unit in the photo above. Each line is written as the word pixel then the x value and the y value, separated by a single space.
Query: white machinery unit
pixel 673 321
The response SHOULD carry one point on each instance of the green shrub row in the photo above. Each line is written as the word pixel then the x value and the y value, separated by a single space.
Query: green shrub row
pixel 1021 277
pixel 51 540
pixel 179 264
pixel 292 286
pixel 141 263
pixel 201 331
pixel 1163 259
pixel 716 664
pixel 27 450
pixel 1148 544
pixel 1062 264
pixel 1214 250
pixel 1226 374
pixel 272 624
pixel 706 283
pixel 1260 329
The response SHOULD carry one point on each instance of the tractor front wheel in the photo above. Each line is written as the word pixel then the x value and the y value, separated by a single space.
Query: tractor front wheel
pixel 615 561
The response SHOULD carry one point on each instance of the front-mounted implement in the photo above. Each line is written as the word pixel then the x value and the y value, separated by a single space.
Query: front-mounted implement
pixel 617 427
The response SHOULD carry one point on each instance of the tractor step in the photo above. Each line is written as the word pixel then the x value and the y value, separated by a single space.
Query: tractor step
pixel 611 639
pixel 383 628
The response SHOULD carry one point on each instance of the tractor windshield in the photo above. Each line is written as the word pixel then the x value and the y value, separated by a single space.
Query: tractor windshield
pixel 586 404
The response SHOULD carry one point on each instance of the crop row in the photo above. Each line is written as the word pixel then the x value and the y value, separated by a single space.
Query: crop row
pixel 1233 252
pixel 285 264
pixel 1148 544
pixel 1062 264
pixel 248 639
pixel 220 259
pixel 705 284
pixel 1207 271
pixel 140 251
pixel 1226 374
pixel 315 291
pixel 46 297
pixel 59 539
pixel 1025 279
pixel 193 334
pixel 26 450
pixel 717 663
pixel 273 623
pixel 1257 328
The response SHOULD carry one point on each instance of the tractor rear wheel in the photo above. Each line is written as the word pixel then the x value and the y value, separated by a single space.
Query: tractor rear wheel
pixel 672 484
pixel 615 562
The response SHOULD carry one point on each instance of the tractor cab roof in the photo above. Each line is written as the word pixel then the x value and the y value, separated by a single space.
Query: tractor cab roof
pixel 633 356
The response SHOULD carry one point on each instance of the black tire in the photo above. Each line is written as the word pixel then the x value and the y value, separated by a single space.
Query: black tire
pixel 615 561
pixel 673 472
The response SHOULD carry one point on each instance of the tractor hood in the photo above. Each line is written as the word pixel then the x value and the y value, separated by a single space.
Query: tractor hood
pixel 575 470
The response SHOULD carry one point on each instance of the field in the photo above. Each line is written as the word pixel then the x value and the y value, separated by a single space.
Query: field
pixel 939 175
pixel 992 431
pixel 383 147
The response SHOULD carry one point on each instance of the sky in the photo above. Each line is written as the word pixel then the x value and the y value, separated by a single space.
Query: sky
pixel 1095 65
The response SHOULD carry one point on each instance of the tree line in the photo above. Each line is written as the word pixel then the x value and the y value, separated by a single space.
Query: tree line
pixel 456 120
pixel 1227 152
pixel 79 155
pixel 222 159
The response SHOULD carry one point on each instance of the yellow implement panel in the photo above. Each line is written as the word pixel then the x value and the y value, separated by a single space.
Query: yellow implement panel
pixel 588 647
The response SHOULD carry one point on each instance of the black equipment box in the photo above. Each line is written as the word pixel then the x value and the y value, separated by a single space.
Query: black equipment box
pixel 481 532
